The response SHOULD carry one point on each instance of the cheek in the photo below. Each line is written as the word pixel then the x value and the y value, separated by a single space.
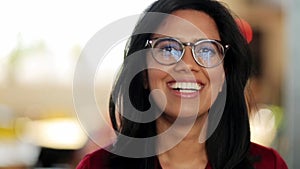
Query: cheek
pixel 155 78
pixel 217 78
pixel 156 73
pixel 157 87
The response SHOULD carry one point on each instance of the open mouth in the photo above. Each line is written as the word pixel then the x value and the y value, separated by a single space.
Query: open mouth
pixel 185 87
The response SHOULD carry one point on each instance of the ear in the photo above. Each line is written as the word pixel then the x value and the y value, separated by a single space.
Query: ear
pixel 145 79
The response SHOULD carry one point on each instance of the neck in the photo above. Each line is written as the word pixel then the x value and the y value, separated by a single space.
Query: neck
pixel 186 151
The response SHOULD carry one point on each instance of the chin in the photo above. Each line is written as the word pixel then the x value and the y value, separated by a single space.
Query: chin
pixel 186 113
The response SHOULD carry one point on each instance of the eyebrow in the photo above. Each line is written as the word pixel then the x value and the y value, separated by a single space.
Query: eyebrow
pixel 180 39
pixel 156 36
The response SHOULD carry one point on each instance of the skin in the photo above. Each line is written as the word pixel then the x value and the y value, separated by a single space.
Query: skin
pixel 189 153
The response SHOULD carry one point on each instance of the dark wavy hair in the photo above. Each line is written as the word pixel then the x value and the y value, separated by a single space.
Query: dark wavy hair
pixel 228 146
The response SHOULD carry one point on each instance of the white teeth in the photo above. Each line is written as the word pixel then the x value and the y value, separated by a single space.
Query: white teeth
pixel 186 86
pixel 187 91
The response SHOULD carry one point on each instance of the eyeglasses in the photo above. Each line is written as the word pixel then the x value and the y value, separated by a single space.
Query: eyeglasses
pixel 206 52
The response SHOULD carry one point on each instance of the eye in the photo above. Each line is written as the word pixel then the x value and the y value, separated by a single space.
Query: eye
pixel 206 50
pixel 168 48
pixel 167 45
pixel 206 53
pixel 170 51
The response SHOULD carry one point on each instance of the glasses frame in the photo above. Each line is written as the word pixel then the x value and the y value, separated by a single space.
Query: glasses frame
pixel 224 48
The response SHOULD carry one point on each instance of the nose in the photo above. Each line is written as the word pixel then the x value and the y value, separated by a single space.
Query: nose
pixel 187 62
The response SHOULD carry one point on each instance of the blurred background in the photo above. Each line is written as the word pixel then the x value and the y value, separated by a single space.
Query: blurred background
pixel 41 41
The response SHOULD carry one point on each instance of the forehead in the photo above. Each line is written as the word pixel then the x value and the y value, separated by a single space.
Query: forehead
pixel 188 25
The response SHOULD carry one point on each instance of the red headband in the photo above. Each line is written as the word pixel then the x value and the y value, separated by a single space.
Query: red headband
pixel 245 29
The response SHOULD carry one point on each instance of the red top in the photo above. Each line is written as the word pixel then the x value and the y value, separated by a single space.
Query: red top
pixel 270 159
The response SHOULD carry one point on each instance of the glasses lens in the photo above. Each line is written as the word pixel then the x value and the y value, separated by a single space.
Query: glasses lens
pixel 208 53
pixel 167 51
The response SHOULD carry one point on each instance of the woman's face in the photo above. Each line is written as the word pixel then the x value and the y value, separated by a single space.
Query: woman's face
pixel 188 88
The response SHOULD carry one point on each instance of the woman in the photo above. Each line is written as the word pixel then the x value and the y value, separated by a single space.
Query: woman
pixel 184 90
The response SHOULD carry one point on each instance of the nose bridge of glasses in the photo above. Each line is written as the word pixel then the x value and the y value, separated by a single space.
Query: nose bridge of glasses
pixel 191 46
pixel 188 44
pixel 189 52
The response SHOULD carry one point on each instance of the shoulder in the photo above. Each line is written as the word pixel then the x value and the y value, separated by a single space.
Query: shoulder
pixel 266 157
pixel 96 159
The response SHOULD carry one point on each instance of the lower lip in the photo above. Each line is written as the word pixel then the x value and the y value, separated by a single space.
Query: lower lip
pixel 185 95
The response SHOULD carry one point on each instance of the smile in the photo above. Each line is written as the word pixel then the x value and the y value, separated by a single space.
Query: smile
pixel 185 87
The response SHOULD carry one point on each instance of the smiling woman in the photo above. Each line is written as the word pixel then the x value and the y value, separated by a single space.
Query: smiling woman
pixel 191 65
pixel 188 70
